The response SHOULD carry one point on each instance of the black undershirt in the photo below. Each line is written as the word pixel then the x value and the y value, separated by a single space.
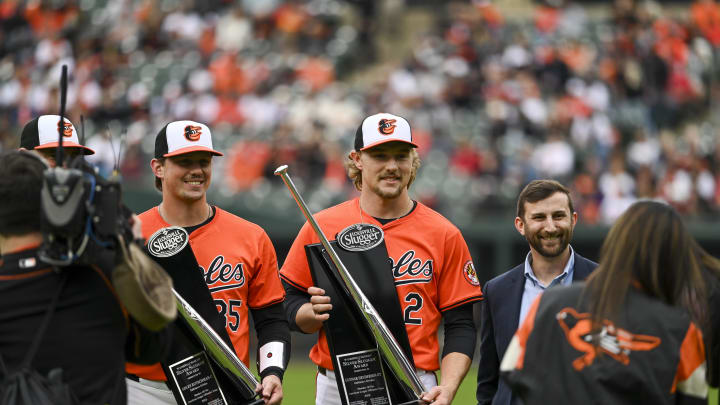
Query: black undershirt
pixel 385 221
pixel 190 229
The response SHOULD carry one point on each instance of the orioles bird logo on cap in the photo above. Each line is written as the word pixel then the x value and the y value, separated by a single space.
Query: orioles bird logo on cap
pixel 66 128
pixel 193 132
pixel 386 126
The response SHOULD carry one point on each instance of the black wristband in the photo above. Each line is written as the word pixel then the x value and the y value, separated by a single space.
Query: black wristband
pixel 272 371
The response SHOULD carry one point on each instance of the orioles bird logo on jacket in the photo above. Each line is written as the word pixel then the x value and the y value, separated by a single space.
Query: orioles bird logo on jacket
pixel 386 126
pixel 613 341
pixel 193 132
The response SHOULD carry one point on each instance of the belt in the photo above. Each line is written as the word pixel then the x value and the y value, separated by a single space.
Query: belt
pixel 132 377
pixel 322 370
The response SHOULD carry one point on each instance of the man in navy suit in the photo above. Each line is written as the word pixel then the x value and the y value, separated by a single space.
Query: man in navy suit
pixel 546 218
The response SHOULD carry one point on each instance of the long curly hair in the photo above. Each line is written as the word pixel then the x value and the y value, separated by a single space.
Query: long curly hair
pixel 355 174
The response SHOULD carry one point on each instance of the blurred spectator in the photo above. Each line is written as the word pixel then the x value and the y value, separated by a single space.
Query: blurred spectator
pixel 554 159
pixel 617 188
pixel 601 103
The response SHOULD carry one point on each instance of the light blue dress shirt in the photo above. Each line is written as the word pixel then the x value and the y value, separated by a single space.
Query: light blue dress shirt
pixel 533 286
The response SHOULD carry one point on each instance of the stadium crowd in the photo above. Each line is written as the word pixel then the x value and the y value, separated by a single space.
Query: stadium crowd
pixel 619 107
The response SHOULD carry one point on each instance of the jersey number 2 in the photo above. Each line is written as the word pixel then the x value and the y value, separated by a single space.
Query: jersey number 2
pixel 229 312
pixel 417 303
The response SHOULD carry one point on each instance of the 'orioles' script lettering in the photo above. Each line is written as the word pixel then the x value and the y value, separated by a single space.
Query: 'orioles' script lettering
pixel 219 271
pixel 411 269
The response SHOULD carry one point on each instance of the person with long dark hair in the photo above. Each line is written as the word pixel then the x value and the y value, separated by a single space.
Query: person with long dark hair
pixel 632 333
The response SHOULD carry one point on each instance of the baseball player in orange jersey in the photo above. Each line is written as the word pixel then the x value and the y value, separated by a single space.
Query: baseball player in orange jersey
pixel 236 257
pixel 434 274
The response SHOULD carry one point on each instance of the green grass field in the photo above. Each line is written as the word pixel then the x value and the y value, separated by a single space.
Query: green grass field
pixel 299 386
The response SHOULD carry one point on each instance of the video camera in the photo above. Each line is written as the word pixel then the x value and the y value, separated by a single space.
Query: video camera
pixel 83 222
pixel 80 208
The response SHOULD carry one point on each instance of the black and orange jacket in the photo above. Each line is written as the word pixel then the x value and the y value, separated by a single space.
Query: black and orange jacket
pixel 89 336
pixel 650 353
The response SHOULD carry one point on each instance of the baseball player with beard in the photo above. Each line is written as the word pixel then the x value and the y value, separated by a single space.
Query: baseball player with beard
pixel 236 257
pixel 434 276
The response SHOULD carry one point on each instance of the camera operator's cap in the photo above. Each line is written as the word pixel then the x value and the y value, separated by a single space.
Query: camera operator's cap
pixel 42 133
pixel 382 128
pixel 180 137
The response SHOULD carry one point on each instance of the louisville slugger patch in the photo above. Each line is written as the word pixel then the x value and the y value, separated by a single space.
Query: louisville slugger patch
pixel 359 237
pixel 167 241
pixel 470 274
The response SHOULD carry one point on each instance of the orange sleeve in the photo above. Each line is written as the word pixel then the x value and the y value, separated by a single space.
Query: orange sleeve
pixel 514 357
pixel 523 333
pixel 296 270
pixel 690 376
pixel 149 222
pixel 458 281
pixel 265 287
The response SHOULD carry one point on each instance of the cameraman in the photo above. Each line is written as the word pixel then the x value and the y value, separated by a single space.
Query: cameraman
pixel 90 334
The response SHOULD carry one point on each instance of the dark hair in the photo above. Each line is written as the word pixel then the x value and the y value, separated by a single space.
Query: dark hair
pixel 649 246
pixel 20 185
pixel 538 190
pixel 158 182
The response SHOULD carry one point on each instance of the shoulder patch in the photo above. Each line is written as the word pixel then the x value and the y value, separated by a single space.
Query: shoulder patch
pixel 470 274
pixel 360 237
pixel 167 241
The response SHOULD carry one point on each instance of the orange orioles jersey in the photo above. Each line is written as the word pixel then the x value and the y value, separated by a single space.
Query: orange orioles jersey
pixel 431 266
pixel 651 353
pixel 240 268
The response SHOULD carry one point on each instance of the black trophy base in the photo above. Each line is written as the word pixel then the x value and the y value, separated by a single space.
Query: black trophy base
pixel 360 372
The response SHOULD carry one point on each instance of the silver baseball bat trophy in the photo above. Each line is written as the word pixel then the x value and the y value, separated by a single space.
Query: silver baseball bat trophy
pixel 395 359
pixel 201 365
pixel 223 356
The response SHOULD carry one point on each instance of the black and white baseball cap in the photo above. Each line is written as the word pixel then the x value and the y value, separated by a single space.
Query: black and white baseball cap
pixel 382 128
pixel 180 137
pixel 42 133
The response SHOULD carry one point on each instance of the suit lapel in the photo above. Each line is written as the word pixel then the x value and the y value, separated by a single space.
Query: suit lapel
pixel 582 268
pixel 508 314
pixel 516 293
